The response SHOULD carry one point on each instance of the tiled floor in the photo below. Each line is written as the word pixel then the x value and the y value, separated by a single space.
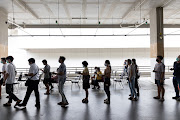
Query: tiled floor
pixel 146 108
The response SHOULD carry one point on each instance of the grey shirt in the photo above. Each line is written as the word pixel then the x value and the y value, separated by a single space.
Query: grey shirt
pixel 47 72
pixel 159 68
pixel 62 68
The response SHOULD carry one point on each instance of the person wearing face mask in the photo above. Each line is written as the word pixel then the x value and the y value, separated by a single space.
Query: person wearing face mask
pixel 9 80
pixel 94 77
pixel 125 69
pixel 98 78
pixel 176 78
pixel 86 77
pixel 159 70
pixel 107 82
pixel 4 67
pixel 33 77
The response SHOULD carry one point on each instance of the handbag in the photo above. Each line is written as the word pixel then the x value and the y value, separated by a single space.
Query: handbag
pixel 28 81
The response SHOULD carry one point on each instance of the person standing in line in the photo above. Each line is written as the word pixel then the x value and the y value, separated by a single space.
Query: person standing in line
pixel 32 85
pixel 107 82
pixel 159 70
pixel 62 79
pixel 47 78
pixel 131 76
pixel 136 76
pixel 9 80
pixel 4 67
pixel 177 77
pixel 175 82
pixel 86 77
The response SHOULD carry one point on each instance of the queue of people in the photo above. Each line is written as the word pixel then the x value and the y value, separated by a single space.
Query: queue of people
pixel 130 68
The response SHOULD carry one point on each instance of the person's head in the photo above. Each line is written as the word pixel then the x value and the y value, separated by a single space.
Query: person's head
pixel 31 61
pixel 62 59
pixel 178 59
pixel 44 62
pixel 159 58
pixel 134 61
pixel 107 63
pixel 9 59
pixel 3 60
pixel 129 62
pixel 98 69
pixel 85 63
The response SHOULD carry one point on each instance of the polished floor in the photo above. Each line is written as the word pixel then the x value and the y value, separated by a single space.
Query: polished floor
pixel 146 108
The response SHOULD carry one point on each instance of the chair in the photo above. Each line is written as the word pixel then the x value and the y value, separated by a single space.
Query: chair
pixel 76 81
pixel 118 81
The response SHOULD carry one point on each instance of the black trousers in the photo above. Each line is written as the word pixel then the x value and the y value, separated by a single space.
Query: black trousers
pixel 175 84
pixel 106 87
pixel 137 85
pixel 9 91
pixel 33 86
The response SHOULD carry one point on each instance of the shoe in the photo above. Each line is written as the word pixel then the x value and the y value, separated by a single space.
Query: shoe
pixel 162 99
pixel 7 104
pixel 51 88
pixel 60 103
pixel 178 99
pixel 131 98
pixel 175 98
pixel 137 94
pixel 98 87
pixel 107 102
pixel 135 99
pixel 7 97
pixel 46 93
pixel 93 88
pixel 21 105
pixel 37 106
pixel 17 103
pixel 64 104
pixel 85 101
pixel 156 97
pixel 129 94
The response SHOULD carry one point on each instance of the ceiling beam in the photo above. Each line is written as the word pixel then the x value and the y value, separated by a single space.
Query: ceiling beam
pixel 47 7
pixel 84 8
pixel 66 10
pixel 104 4
pixel 134 7
pixel 25 8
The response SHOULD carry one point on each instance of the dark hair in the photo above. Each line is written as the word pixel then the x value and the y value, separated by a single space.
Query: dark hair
pixel 160 57
pixel 10 58
pixel 129 61
pixel 134 60
pixel 98 68
pixel 32 60
pixel 4 59
pixel 85 63
pixel 44 61
pixel 95 67
pixel 108 62
pixel 62 58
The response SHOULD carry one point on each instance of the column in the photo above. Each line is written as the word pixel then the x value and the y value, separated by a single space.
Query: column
pixel 156 36
pixel 3 34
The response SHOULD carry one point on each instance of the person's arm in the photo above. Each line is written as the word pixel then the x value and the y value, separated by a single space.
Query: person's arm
pixel 162 73
pixel 130 74
pixel 6 75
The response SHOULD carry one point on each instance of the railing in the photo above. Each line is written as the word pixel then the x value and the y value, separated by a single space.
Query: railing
pixel 116 70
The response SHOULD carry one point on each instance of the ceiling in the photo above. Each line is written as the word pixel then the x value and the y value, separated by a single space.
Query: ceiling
pixel 88 12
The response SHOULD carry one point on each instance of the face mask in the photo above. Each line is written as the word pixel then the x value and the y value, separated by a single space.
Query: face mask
pixel 177 59
pixel 1 61
pixel 157 60
pixel 105 64
pixel 7 61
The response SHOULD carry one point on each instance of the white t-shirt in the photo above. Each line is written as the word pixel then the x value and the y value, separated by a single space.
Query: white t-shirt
pixel 159 68
pixel 4 68
pixel 35 70
pixel 11 71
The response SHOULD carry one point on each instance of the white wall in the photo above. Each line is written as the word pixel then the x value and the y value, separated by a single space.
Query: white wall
pixel 95 57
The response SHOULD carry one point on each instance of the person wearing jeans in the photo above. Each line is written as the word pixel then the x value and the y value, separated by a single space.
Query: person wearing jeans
pixel 131 76
pixel 33 76
pixel 9 80
pixel 62 79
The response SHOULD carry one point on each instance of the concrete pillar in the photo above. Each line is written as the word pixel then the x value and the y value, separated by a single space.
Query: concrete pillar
pixel 3 34
pixel 156 36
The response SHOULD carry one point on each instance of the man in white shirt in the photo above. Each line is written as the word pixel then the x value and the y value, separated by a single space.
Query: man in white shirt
pixel 33 76
pixel 159 70
pixel 9 80
pixel 3 61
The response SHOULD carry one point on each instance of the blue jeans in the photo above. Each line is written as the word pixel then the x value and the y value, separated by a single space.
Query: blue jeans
pixel 132 87
pixel 175 84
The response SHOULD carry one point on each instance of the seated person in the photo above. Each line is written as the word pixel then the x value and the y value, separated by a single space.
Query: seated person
pixel 94 76
pixel 99 78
